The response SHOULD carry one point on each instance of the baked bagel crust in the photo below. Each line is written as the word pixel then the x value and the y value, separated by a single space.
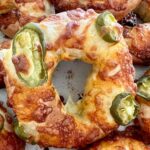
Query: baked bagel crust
pixel 137 38
pixel 144 115
pixel 120 8
pixel 68 36
pixel 7 5
pixel 25 12
pixel 8 140
pixel 119 143
pixel 143 10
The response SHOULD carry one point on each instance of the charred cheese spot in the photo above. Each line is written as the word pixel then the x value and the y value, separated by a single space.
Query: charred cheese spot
pixel 21 63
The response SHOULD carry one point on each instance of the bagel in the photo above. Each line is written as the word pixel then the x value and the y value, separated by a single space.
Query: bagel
pixel 143 99
pixel 143 10
pixel 132 138
pixel 8 140
pixel 120 8
pixel 93 38
pixel 119 143
pixel 25 12
pixel 137 39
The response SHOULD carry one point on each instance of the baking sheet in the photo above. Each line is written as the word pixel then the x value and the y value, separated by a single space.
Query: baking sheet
pixel 69 79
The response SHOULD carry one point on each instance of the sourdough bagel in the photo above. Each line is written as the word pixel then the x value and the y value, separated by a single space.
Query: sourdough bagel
pixel 143 10
pixel 93 38
pixel 25 12
pixel 120 8
pixel 143 99
pixel 137 39
pixel 8 140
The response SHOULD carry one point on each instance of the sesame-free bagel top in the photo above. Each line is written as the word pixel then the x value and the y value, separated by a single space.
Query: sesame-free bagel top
pixel 38 48
pixel 119 8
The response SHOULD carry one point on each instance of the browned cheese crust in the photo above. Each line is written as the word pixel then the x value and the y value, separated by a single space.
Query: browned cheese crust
pixel 120 8
pixel 40 111
pixel 143 10
pixel 144 115
pixel 26 11
pixel 8 140
pixel 7 5
pixel 137 39
pixel 119 143
pixel 132 138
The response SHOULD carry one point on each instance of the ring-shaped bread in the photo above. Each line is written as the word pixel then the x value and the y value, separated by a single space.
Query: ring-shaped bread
pixel 8 139
pixel 25 12
pixel 119 8
pixel 143 98
pixel 132 138
pixel 29 64
pixel 119 143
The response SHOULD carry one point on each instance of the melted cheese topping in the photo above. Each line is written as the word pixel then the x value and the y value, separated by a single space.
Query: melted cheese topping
pixel 145 109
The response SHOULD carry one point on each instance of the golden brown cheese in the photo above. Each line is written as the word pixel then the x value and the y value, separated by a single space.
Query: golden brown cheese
pixel 132 138
pixel 143 10
pixel 137 38
pixel 6 6
pixel 119 143
pixel 68 36
pixel 8 140
pixel 25 12
pixel 120 8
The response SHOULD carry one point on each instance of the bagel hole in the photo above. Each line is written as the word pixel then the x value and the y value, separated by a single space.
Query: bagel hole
pixel 69 78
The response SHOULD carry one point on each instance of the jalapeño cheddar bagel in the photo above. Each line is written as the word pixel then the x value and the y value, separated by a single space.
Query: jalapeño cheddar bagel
pixel 120 8
pixel 119 143
pixel 108 99
pixel 143 98
pixel 8 140
pixel 131 138
pixel 25 12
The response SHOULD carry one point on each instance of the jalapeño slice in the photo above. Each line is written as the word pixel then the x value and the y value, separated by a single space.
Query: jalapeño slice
pixel 106 27
pixel 144 87
pixel 28 55
pixel 2 120
pixel 19 130
pixel 124 108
